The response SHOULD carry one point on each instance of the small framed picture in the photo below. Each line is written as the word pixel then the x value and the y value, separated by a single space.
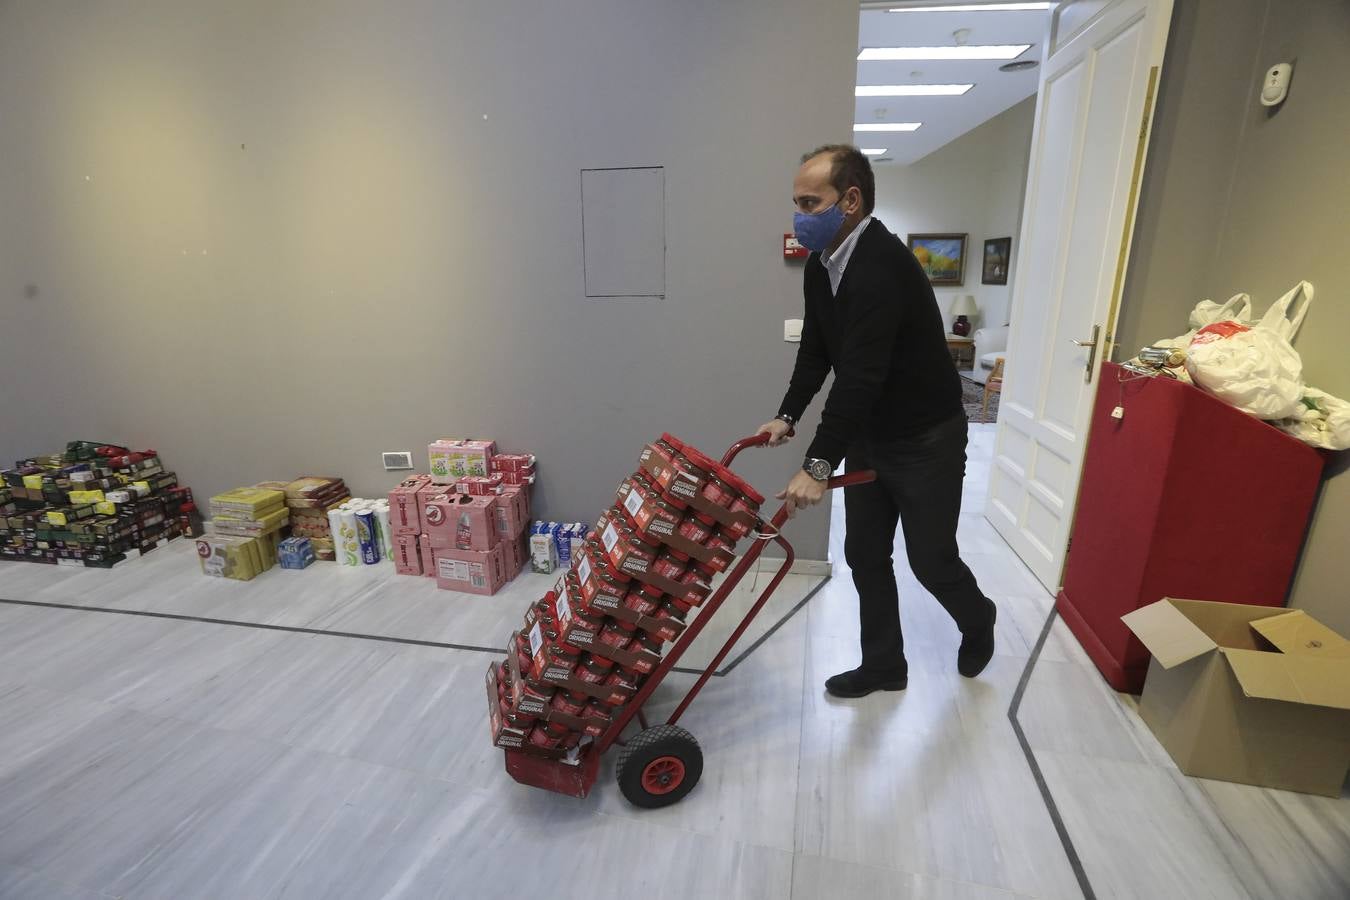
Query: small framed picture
pixel 997 255
pixel 943 257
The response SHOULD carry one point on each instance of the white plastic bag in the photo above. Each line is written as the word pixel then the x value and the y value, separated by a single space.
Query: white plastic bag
pixel 1238 308
pixel 1321 420
pixel 1251 367
pixel 1278 319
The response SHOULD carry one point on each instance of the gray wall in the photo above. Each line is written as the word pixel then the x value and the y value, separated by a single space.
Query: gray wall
pixel 973 185
pixel 269 240
pixel 1238 198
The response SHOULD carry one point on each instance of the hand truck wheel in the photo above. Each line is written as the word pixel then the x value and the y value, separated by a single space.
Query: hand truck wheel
pixel 659 766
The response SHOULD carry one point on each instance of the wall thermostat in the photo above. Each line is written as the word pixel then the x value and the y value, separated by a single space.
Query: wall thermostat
pixel 1276 85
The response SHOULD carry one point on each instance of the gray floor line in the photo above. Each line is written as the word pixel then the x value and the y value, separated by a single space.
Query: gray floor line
pixel 351 635
pixel 1069 850
pixel 237 623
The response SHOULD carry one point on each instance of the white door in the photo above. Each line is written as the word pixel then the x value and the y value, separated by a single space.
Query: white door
pixel 1087 152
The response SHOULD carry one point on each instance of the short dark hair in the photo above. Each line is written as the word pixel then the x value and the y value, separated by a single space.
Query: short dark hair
pixel 850 169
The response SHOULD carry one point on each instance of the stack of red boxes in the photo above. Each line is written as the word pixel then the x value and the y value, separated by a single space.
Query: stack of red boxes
pixel 470 534
pixel 588 645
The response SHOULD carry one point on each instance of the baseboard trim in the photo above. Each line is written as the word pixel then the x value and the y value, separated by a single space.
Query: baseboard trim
pixel 820 567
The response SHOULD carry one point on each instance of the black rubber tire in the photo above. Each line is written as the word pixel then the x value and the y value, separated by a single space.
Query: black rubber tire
pixel 649 747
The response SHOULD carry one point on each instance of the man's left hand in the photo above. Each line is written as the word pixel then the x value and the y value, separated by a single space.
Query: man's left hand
pixel 802 491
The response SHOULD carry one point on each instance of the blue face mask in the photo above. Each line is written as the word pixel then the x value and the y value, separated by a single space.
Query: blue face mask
pixel 815 230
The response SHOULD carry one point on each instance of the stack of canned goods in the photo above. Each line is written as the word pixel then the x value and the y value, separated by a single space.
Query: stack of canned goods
pixel 586 647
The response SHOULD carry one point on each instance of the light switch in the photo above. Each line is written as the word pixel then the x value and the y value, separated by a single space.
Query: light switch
pixel 792 330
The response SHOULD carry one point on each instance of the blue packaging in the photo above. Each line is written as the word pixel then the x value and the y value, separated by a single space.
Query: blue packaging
pixel 367 537
pixel 295 553
pixel 562 542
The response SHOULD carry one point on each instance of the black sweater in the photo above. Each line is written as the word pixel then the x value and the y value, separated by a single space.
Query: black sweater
pixel 884 337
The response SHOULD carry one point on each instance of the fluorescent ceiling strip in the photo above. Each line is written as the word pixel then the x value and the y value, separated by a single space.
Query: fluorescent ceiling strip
pixel 887 126
pixel 971 51
pixel 872 151
pixel 975 7
pixel 911 90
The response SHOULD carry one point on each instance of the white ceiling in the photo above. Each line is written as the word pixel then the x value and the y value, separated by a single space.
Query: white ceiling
pixel 944 118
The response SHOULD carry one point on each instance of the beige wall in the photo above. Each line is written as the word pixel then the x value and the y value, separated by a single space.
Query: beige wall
pixel 1240 198
pixel 269 240
pixel 974 185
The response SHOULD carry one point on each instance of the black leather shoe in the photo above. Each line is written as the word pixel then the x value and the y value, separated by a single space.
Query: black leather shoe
pixel 977 648
pixel 859 683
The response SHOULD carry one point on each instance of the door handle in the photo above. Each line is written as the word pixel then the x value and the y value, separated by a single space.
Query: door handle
pixel 1092 352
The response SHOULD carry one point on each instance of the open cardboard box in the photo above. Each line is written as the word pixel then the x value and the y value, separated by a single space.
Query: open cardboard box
pixel 1252 694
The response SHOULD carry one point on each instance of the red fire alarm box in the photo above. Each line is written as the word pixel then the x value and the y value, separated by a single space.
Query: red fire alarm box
pixel 792 249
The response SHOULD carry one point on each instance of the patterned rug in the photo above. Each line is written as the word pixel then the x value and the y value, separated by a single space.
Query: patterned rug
pixel 972 393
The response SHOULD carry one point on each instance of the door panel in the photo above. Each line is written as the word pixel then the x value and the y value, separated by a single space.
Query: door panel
pixel 1095 98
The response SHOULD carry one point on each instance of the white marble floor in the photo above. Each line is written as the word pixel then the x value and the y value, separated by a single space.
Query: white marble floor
pixel 149 757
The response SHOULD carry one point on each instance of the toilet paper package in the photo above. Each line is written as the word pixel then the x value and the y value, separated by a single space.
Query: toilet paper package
pixel 382 523
pixel 347 542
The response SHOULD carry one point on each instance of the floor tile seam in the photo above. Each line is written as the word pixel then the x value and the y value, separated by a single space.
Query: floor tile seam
pixel 1244 858
pixel 621 819
pixel 965 882
pixel 1144 766
pixel 801 743
pixel 1042 785
pixel 46 875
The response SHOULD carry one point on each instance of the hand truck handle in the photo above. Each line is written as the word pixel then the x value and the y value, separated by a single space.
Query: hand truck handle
pixel 754 440
pixel 851 479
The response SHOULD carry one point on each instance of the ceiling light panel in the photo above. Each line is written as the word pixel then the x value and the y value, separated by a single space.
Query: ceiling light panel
pixel 975 7
pixel 973 51
pixel 911 90
pixel 887 126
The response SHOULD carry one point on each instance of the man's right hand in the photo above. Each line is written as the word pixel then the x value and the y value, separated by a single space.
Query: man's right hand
pixel 779 432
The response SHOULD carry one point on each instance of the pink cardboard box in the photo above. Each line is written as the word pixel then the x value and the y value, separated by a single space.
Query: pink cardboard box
pixel 480 485
pixel 403 515
pixel 451 459
pixel 519 476
pixel 428 554
pixel 462 522
pixel 407 554
pixel 428 491
pixel 518 556
pixel 513 513
pixel 471 571
pixel 511 462
pixel 524 492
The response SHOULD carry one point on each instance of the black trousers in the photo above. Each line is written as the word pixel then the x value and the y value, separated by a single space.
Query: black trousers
pixel 919 481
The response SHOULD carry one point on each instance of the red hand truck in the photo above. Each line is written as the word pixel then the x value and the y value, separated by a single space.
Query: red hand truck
pixel 662 763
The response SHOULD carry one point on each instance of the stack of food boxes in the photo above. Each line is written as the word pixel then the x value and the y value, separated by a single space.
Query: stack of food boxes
pixel 586 648
pixel 310 498
pixel 93 505
pixel 246 526
pixel 465 524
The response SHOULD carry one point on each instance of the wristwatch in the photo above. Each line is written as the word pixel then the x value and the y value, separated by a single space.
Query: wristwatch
pixel 792 423
pixel 819 469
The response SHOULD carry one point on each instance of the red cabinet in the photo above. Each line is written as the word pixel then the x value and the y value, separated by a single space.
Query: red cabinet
pixel 1182 496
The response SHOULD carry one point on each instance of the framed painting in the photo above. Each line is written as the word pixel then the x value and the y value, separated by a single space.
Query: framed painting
pixel 997 255
pixel 943 257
